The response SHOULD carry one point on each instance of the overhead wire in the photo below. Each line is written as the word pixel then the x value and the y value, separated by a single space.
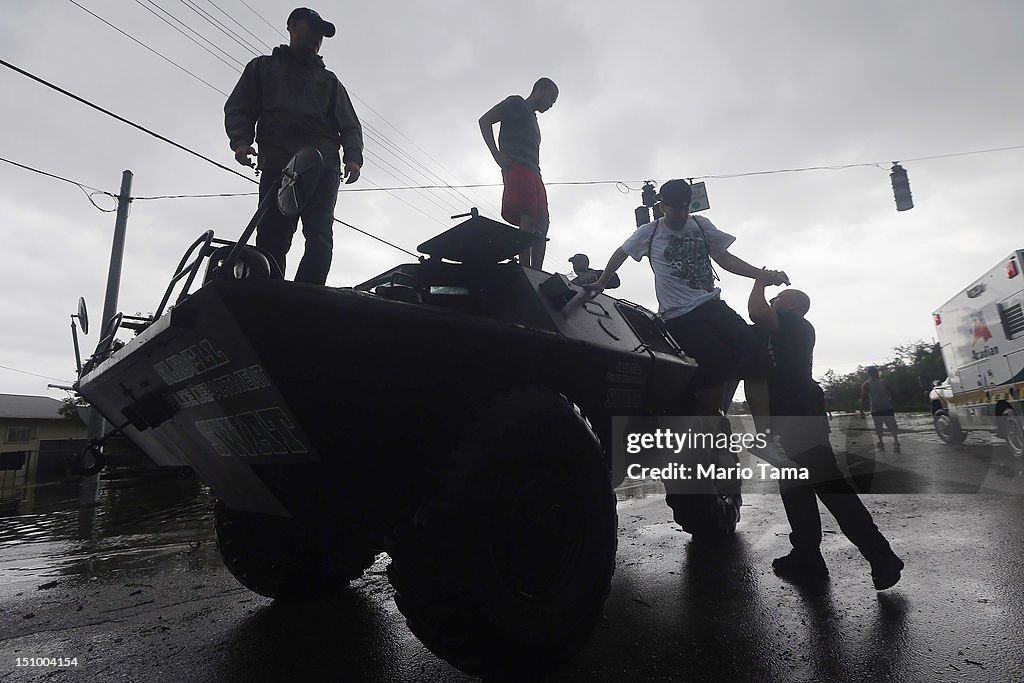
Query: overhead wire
pixel 262 18
pixel 382 135
pixel 139 42
pixel 241 42
pixel 210 160
pixel 427 154
pixel 201 36
pixel 34 374
pixel 625 183
pixel 236 23
pixel 390 146
pixel 178 145
pixel 81 186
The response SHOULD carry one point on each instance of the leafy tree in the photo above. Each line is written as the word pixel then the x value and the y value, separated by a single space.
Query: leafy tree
pixel 910 374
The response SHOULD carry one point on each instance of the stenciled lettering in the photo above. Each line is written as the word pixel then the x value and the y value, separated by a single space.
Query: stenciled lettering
pixel 189 362
pixel 263 432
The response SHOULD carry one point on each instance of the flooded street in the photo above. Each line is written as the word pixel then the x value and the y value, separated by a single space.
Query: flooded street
pixel 138 521
pixel 134 589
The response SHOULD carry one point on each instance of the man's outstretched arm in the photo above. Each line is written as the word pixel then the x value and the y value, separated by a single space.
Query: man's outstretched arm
pixel 738 266
pixel 618 257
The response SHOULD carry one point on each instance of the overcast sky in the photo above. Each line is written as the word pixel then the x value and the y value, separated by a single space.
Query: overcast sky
pixel 651 90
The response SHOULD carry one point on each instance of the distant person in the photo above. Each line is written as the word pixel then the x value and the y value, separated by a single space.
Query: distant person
pixel 286 101
pixel 828 403
pixel 877 394
pixel 524 202
pixel 585 275
pixel 680 248
pixel 798 420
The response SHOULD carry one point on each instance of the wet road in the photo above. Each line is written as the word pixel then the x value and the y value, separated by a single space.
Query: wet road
pixel 137 592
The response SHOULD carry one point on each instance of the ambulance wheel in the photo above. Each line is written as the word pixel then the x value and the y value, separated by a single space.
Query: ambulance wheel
pixel 947 429
pixel 1013 432
pixel 275 557
pixel 505 566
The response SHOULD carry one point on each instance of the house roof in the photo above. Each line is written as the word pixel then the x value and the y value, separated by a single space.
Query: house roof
pixel 21 407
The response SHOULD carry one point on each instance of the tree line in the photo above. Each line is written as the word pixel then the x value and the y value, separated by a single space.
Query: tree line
pixel 911 373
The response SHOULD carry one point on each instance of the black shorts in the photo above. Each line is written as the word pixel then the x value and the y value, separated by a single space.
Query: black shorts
pixel 724 345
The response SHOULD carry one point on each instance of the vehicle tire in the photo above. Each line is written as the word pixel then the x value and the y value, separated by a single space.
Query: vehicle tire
pixel 708 517
pixel 947 429
pixel 272 556
pixel 507 562
pixel 1013 432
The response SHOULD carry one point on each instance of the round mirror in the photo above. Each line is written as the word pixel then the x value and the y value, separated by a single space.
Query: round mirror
pixel 83 315
pixel 299 180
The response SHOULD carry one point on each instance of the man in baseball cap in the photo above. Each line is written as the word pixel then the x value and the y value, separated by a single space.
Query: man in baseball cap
pixel 325 28
pixel 296 103
pixel 680 248
pixel 585 275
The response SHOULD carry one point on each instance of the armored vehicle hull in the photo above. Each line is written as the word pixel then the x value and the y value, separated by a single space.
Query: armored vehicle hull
pixel 456 415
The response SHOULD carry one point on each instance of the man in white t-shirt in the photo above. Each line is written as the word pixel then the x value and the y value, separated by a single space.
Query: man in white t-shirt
pixel 680 248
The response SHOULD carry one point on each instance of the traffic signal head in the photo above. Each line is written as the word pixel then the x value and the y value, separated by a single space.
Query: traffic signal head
pixel 901 188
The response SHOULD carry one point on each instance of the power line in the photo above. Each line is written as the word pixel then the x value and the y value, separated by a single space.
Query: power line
pixel 236 23
pixel 396 177
pixel 620 183
pixel 396 174
pixel 962 154
pixel 201 36
pixel 383 136
pixel 842 167
pixel 175 144
pixel 249 7
pixel 26 372
pixel 166 59
pixel 80 186
pixel 241 42
pixel 121 118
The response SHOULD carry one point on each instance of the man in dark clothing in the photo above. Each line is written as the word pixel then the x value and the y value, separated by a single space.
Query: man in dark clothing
pixel 286 101
pixel 799 420
pixel 585 275
pixel 877 394
pixel 524 201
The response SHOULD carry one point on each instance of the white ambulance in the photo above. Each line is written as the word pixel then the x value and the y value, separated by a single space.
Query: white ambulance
pixel 981 333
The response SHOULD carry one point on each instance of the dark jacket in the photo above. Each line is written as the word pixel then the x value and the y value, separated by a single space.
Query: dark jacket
pixel 285 101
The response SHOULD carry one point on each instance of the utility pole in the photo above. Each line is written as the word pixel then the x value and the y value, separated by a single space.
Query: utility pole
pixel 91 484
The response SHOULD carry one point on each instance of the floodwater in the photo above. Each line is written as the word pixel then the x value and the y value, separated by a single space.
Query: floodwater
pixel 140 519
pixel 135 589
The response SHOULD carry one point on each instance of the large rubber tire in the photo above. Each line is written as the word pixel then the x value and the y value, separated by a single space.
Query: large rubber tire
pixel 1013 432
pixel 947 429
pixel 277 558
pixel 708 517
pixel 506 564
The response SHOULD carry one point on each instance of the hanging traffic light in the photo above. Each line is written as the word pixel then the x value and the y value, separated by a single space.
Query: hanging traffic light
pixel 901 188
pixel 643 215
pixel 649 197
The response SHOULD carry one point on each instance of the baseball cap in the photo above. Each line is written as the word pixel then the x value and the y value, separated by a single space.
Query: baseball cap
pixel 579 256
pixel 676 193
pixel 315 20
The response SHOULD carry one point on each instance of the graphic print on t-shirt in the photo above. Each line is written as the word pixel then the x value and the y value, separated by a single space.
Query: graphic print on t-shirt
pixel 688 260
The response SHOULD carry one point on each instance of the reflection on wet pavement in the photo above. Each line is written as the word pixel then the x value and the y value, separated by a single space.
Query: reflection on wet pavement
pixel 44 534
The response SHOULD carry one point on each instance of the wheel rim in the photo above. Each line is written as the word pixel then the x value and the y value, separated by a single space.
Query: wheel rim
pixel 944 427
pixel 1014 435
pixel 539 526
pixel 539 534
